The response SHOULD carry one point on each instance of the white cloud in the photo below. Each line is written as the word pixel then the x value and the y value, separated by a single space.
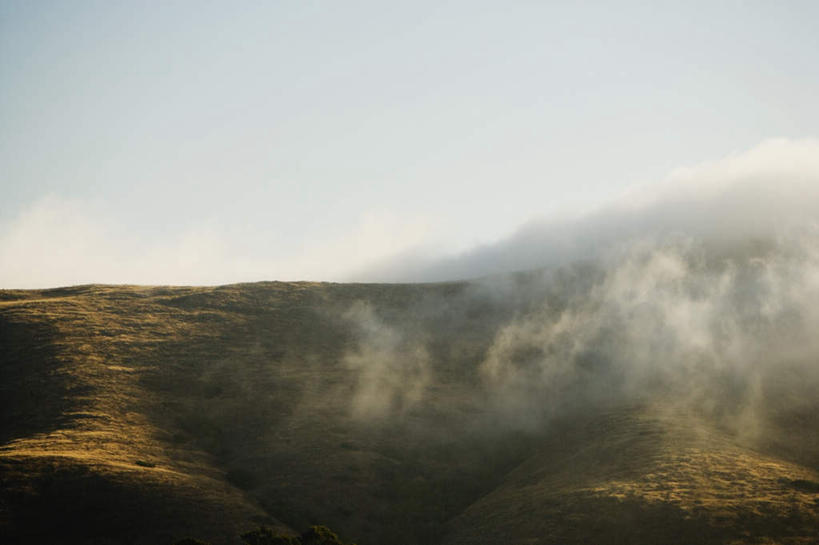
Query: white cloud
pixel 57 242
pixel 760 193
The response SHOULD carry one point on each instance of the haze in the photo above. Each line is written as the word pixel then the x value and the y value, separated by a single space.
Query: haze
pixel 212 143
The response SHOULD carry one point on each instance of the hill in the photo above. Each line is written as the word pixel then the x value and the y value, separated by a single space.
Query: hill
pixel 146 414
pixel 636 476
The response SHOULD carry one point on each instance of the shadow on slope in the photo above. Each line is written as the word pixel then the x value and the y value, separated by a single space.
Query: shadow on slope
pixel 269 396
pixel 35 397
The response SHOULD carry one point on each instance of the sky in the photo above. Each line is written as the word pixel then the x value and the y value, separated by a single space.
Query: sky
pixel 218 142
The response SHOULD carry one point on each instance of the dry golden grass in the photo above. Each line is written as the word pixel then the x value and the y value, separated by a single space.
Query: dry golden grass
pixel 206 411
pixel 101 343
pixel 644 475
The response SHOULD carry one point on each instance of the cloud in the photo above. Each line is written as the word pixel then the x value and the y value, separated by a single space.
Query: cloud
pixel 725 333
pixel 700 294
pixel 758 193
pixel 58 242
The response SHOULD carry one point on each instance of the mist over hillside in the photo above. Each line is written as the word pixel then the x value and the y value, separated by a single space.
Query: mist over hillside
pixel 646 374
pixel 419 273
pixel 665 393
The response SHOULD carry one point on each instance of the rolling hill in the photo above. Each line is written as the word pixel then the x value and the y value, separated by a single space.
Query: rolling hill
pixel 147 414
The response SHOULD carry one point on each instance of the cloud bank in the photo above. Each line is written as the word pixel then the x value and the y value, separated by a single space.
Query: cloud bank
pixel 60 242
pixel 700 295
pixel 759 193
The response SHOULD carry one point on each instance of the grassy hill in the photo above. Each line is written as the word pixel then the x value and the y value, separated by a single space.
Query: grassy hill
pixel 639 475
pixel 143 415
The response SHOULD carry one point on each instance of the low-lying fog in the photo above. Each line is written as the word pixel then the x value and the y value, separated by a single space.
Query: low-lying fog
pixel 704 293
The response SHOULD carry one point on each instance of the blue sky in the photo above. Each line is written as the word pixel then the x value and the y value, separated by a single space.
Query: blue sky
pixel 213 142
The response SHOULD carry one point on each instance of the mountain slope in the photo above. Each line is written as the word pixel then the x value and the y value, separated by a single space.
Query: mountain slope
pixel 237 397
pixel 645 476
pixel 143 415
pixel 81 458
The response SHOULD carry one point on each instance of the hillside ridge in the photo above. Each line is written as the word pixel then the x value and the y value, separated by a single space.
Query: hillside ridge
pixel 210 411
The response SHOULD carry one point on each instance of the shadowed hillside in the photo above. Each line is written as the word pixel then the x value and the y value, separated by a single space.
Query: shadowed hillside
pixel 177 404
pixel 392 413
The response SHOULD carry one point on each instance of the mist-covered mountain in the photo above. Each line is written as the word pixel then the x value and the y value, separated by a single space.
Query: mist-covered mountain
pixel 662 392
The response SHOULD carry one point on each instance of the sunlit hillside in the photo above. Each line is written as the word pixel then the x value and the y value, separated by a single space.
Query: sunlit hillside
pixel 391 414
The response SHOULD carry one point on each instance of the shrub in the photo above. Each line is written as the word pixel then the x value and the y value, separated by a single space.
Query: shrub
pixel 315 535
pixel 265 536
pixel 320 535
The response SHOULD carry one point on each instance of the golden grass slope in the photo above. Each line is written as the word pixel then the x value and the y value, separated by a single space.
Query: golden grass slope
pixel 100 468
pixel 644 475
pixel 143 415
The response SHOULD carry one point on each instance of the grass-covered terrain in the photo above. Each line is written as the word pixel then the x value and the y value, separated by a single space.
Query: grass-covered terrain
pixel 145 415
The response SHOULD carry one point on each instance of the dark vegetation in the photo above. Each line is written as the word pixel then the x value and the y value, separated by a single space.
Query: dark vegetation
pixel 315 535
pixel 139 415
